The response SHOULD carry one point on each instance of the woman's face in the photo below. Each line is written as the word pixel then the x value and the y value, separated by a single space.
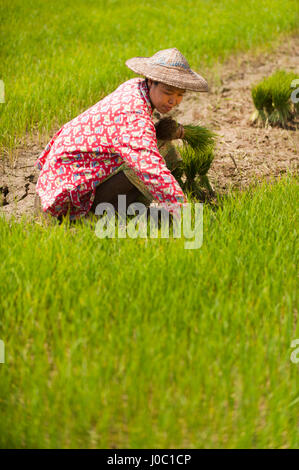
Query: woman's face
pixel 164 97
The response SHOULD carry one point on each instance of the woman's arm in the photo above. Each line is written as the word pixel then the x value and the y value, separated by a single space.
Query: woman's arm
pixel 138 147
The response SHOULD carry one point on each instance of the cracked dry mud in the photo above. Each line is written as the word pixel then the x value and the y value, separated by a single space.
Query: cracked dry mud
pixel 244 153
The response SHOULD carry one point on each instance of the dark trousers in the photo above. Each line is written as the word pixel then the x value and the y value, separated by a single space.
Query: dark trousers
pixel 107 191
pixel 110 189
pixel 117 184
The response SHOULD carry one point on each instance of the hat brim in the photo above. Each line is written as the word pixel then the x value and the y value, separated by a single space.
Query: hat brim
pixel 174 76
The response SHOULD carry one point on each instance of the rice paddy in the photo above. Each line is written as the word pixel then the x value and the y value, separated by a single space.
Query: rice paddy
pixel 58 59
pixel 139 343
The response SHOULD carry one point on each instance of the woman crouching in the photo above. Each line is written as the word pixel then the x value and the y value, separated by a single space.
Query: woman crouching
pixel 112 148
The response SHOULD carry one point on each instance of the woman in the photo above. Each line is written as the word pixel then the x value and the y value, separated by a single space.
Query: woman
pixel 112 147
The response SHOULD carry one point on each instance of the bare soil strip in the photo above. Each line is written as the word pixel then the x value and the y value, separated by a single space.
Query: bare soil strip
pixel 245 153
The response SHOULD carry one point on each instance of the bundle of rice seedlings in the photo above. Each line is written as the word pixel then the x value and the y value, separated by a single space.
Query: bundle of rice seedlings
pixel 196 136
pixel 197 154
pixel 272 99
pixel 195 166
pixel 199 137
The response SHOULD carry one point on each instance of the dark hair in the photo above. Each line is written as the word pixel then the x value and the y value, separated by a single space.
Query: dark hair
pixel 154 81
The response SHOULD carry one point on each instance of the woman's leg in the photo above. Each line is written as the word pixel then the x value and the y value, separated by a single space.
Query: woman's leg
pixel 172 160
pixel 170 154
pixel 122 182
pixel 127 182
pixel 109 190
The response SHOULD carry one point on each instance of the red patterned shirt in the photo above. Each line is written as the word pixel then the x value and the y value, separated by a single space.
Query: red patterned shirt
pixel 85 151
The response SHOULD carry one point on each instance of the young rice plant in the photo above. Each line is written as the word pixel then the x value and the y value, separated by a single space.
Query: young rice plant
pixel 272 99
pixel 197 154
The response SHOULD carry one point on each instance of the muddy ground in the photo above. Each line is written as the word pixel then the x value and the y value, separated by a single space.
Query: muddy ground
pixel 245 152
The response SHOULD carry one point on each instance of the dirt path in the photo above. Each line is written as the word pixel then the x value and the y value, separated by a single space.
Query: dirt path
pixel 244 151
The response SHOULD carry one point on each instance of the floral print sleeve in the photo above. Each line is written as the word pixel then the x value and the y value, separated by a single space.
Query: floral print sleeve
pixel 138 147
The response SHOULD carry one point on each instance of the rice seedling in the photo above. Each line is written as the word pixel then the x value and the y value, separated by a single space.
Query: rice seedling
pixel 201 359
pixel 272 99
pixel 192 173
pixel 199 137
pixel 197 154
pixel 51 75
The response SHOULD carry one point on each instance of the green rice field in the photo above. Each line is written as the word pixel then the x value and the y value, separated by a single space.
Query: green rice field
pixel 59 58
pixel 123 343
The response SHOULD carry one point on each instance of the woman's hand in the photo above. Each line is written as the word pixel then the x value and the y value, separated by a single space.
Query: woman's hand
pixel 180 132
pixel 168 129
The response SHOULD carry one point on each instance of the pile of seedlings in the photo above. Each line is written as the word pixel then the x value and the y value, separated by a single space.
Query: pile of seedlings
pixel 274 99
pixel 197 155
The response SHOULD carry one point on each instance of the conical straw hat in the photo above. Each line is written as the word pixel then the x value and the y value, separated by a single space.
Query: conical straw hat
pixel 168 66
